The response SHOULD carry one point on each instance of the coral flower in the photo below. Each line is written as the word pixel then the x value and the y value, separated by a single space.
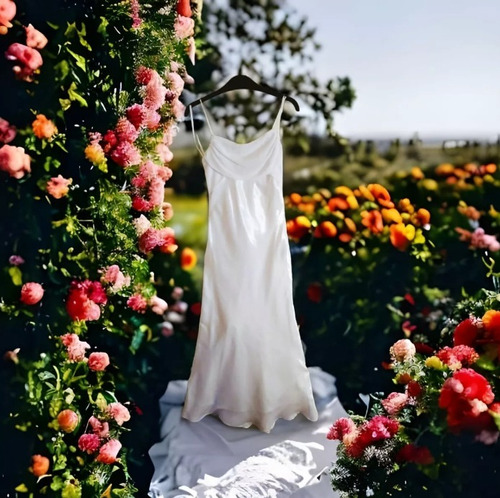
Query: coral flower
pixel 403 350
pixel 68 420
pixel 401 235
pixel 423 217
pixel 138 303
pixel 325 229
pixel 34 38
pixel 58 186
pixel 381 195
pixel 98 361
pixel 7 13
pixel 184 8
pixel 188 259
pixel 7 131
pixel 109 451
pixel 31 293
pixel 118 412
pixel 298 227
pixel 43 127
pixel 373 221
pixel 338 204
pixel 39 465
pixel 14 161
pixel 395 402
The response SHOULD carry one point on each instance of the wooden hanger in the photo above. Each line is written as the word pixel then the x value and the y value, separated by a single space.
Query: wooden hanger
pixel 241 81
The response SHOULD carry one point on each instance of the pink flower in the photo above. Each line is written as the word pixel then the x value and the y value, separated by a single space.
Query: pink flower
pixel 116 278
pixel 169 132
pixel 84 299
pixel 403 350
pixel 74 347
pixel 378 428
pixel 142 225
pixel 164 152
pixel 138 303
pixel 184 27
pixel 126 131
pixel 31 293
pixel 7 13
pixel 68 420
pixel 34 38
pixel 479 239
pixel 135 13
pixel 155 92
pixel 98 361
pixel 118 412
pixel 344 429
pixel 58 186
pixel 158 305
pixel 125 154
pixel 99 428
pixel 152 120
pixel 149 240
pixel 14 161
pixel 16 260
pixel 143 75
pixel 167 240
pixel 7 131
pixel 28 58
pixel 487 436
pixel 395 402
pixel 178 109
pixel 89 443
pixel 108 451
pixel 176 83
pixel 168 211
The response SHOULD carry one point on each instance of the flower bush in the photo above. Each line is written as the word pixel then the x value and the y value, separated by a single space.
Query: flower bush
pixel 89 109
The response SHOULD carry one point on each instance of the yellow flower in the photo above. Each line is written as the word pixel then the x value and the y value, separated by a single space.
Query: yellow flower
pixel 406 205
pixel 434 362
pixel 343 190
pixel 352 201
pixel 429 184
pixel 364 192
pixel 392 215
pixel 95 154
pixel 401 235
pixel 445 169
pixel 417 173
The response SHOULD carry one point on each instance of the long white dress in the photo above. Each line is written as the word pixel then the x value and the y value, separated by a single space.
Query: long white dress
pixel 249 366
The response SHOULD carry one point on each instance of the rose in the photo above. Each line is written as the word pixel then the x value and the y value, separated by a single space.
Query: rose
pixel 75 348
pixel 58 186
pixel 7 13
pixel 184 27
pixel 395 402
pixel 29 59
pixel 39 465
pixel 34 38
pixel 108 451
pixel 138 303
pixel 14 161
pixel 7 131
pixel 43 127
pixel 89 443
pixel 99 428
pixel 31 293
pixel 403 350
pixel 68 420
pixel 118 412
pixel 98 361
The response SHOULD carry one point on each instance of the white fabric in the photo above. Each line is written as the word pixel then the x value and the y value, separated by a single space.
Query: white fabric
pixel 211 459
pixel 249 366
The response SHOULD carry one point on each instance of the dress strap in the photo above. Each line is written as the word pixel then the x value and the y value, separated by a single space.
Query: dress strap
pixel 195 136
pixel 206 117
pixel 278 116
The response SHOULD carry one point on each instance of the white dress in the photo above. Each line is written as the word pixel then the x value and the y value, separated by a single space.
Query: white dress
pixel 249 366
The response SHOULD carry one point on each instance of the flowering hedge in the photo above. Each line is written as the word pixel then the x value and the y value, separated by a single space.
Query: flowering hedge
pixel 89 112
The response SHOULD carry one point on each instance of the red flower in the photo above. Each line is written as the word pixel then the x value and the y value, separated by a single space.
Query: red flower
pixel 466 332
pixel 138 303
pixel 378 428
pixel 89 443
pixel 84 299
pixel 31 293
pixel 458 355
pixel 420 455
pixel 423 348
pixel 184 8
pixel 315 292
pixel 466 397
pixel 408 297
pixel 414 389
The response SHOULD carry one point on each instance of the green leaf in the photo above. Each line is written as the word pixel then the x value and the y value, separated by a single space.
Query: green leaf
pixel 65 104
pixel 21 488
pixel 74 95
pixel 102 26
pixel 80 60
pixel 16 275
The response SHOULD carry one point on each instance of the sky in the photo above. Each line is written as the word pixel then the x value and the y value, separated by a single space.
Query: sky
pixel 426 66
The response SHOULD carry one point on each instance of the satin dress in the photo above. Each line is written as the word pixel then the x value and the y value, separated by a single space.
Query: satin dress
pixel 249 365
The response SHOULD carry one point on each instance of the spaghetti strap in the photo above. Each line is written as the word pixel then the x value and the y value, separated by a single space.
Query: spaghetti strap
pixel 195 136
pixel 278 116
pixel 206 117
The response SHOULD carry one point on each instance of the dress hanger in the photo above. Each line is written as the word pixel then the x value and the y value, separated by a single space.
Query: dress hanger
pixel 241 81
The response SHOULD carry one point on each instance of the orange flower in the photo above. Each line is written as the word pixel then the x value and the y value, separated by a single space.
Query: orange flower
pixel 351 226
pixel 306 207
pixel 445 169
pixel 295 198
pixel 345 237
pixel 94 153
pixel 298 227
pixel 373 221
pixel 401 235
pixel 364 192
pixel 423 217
pixel 417 173
pixel 381 195
pixel 406 206
pixel 39 465
pixel 43 127
pixel 68 420
pixel 491 321
pixel 489 168
pixel 470 211
pixel 392 215
pixel 325 229
pixel 188 259
pixel 338 204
